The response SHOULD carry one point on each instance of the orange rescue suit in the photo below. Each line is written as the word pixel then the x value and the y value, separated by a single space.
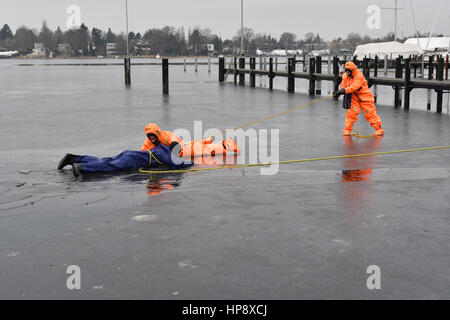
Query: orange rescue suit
pixel 193 148
pixel 362 98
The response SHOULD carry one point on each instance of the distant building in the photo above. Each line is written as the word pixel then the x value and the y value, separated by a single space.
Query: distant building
pixel 111 49
pixel 434 44
pixel 64 49
pixel 39 49
pixel 142 48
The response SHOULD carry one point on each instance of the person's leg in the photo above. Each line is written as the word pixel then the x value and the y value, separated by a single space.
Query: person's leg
pixel 351 117
pixel 86 159
pixel 370 112
pixel 126 160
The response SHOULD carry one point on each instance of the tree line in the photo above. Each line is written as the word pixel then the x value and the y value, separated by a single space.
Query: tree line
pixel 169 41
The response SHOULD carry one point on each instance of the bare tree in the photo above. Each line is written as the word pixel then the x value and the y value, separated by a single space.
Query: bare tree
pixel 287 40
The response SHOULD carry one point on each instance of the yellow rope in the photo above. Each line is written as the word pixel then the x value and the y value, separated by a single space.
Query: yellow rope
pixel 272 116
pixel 296 161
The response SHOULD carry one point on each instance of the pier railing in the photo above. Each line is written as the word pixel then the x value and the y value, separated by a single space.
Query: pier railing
pixel 405 75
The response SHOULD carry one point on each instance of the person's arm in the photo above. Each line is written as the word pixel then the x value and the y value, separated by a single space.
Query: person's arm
pixel 145 145
pixel 343 82
pixel 165 156
pixel 356 84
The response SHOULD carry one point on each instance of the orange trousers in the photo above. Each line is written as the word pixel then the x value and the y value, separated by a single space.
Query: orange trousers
pixel 370 112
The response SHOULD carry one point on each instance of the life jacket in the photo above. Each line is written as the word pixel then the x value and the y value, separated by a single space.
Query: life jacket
pixel 165 137
pixel 356 84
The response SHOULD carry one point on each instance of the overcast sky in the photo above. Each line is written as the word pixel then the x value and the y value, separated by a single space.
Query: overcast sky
pixel 329 18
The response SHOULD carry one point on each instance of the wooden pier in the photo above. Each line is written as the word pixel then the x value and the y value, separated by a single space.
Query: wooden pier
pixel 405 75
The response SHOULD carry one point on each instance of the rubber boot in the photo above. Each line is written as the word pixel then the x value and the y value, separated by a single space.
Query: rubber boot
pixel 379 131
pixel 68 159
pixel 346 132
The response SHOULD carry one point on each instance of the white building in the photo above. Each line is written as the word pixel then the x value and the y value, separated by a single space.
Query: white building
pixel 392 49
pixel 111 49
pixel 39 49
pixel 435 44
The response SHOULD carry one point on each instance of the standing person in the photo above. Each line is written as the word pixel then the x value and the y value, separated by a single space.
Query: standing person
pixel 127 160
pixel 354 85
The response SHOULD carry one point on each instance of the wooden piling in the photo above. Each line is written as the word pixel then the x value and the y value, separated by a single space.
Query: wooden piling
pixel 312 80
pixel 319 70
pixel 291 79
pixel 276 63
pixel 235 71
pixel 407 81
pixel 221 69
pixel 440 77
pixel 184 64
pixel 241 75
pixel 165 75
pixel 336 79
pixel 209 64
pixel 196 64
pixel 385 66
pixel 271 74
pixel 398 74
pixel 446 68
pixel 430 77
pixel 252 74
pixel 127 66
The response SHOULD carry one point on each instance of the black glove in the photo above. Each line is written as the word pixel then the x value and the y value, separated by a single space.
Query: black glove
pixel 340 93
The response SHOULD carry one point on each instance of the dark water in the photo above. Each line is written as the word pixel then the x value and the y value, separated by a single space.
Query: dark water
pixel 309 231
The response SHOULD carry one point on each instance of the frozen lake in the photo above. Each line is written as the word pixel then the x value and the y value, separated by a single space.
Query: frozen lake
pixel 310 231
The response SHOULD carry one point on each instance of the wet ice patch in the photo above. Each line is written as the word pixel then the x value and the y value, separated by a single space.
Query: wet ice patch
pixel 99 287
pixel 13 254
pixel 341 242
pixel 145 218
pixel 186 264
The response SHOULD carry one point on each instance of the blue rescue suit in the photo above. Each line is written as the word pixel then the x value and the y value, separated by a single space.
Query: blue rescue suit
pixel 128 160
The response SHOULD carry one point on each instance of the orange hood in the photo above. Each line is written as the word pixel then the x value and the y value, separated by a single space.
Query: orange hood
pixel 350 65
pixel 163 136
pixel 153 128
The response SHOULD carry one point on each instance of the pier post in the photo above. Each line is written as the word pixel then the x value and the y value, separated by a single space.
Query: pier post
pixel 235 70
pixel 165 75
pixel 446 68
pixel 329 64
pixel 291 79
pixel 184 64
pixel 430 77
pixel 407 80
pixel 276 63
pixel 221 69
pixel 398 74
pixel 252 74
pixel 336 75
pixel 196 65
pixel 271 74
pixel 375 74
pixel 319 70
pixel 385 65
pixel 440 77
pixel 209 64
pixel 366 70
pixel 127 65
pixel 241 73
pixel 312 81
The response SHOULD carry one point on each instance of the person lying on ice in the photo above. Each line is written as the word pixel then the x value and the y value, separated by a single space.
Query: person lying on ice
pixel 358 96
pixel 203 147
pixel 127 160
